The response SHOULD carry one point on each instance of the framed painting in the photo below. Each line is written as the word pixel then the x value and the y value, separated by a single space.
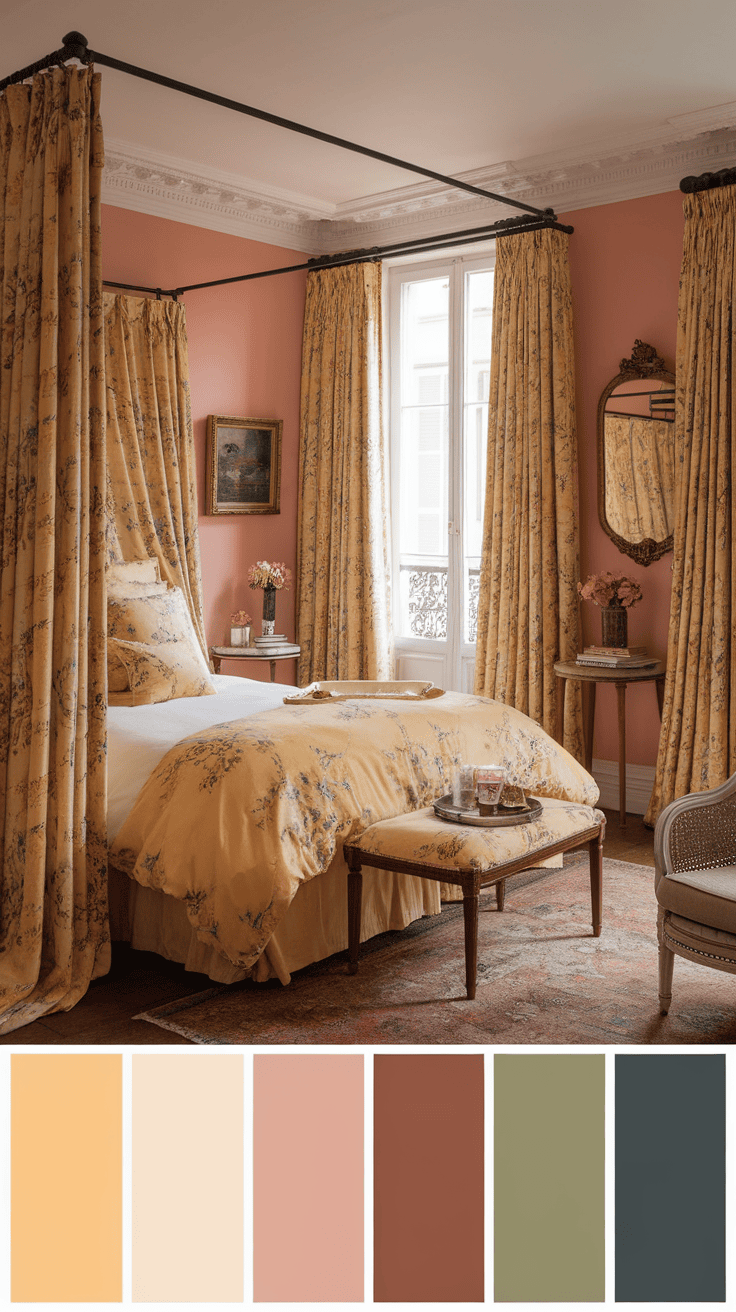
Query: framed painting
pixel 243 466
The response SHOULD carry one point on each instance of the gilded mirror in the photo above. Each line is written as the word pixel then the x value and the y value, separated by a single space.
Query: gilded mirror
pixel 636 451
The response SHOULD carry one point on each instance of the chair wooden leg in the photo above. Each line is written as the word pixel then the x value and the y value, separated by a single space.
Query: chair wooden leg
pixel 470 913
pixel 355 898
pixel 500 894
pixel 596 881
pixel 666 965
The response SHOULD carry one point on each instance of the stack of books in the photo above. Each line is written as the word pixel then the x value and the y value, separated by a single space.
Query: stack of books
pixel 273 644
pixel 616 657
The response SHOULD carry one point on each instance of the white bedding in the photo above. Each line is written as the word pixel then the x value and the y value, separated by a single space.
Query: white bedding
pixel 138 737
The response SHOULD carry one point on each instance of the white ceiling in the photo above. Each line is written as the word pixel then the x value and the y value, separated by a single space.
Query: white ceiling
pixel 461 86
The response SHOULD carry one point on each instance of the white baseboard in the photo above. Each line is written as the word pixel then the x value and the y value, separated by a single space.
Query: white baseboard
pixel 639 785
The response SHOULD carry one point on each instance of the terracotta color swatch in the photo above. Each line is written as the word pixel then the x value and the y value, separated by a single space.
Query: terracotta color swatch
pixel 308 1178
pixel 549 1160
pixel 188 1196
pixel 428 1179
pixel 671 1178
pixel 66 1178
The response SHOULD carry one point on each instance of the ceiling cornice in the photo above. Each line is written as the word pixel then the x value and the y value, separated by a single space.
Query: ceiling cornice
pixel 138 179
pixel 595 174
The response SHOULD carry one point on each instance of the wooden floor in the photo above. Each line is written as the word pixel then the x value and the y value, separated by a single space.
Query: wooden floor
pixel 140 980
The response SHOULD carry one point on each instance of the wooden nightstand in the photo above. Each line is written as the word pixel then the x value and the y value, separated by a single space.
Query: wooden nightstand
pixel 220 654
pixel 589 676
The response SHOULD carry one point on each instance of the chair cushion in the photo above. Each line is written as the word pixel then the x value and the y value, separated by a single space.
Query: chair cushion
pixel 423 837
pixel 705 896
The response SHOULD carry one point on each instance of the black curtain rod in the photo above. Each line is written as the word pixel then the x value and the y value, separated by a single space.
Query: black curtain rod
pixel 707 181
pixel 76 46
pixel 447 240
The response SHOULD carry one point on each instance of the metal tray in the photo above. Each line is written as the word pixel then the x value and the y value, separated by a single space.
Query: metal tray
pixel 445 809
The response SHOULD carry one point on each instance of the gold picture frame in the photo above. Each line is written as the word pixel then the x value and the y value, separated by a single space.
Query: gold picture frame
pixel 243 465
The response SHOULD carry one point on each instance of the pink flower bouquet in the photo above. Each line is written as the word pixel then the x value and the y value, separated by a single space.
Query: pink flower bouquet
pixel 610 590
pixel 265 575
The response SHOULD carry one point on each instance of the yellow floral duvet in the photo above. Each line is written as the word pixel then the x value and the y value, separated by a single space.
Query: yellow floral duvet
pixel 236 817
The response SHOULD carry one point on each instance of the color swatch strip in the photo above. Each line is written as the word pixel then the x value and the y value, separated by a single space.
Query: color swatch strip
pixel 428 1182
pixel 187 1187
pixel 549 1178
pixel 66 1178
pixel 308 1173
pixel 670 1178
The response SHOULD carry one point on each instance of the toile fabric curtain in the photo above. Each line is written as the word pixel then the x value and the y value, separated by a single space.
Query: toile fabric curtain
pixel 53 934
pixel 640 477
pixel 528 609
pixel 343 579
pixel 152 489
pixel 697 745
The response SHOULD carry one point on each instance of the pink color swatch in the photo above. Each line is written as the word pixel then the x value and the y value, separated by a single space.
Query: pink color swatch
pixel 308 1178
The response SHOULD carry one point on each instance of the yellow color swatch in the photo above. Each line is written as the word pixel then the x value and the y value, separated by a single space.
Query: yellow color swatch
pixel 66 1178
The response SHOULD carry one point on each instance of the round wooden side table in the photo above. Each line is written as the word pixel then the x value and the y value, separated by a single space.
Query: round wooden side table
pixel 220 654
pixel 621 676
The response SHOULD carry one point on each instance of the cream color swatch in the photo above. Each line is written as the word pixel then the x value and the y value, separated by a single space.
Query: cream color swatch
pixel 66 1178
pixel 187 1178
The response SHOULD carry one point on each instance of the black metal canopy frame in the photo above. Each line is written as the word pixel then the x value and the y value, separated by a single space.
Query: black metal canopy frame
pixel 707 181
pixel 76 46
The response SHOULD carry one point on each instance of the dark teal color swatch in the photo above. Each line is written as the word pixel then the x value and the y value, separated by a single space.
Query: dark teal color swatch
pixel 670 1178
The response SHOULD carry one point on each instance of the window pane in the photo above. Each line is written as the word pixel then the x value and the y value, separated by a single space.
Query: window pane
pixel 423 481
pixel 425 342
pixel 424 459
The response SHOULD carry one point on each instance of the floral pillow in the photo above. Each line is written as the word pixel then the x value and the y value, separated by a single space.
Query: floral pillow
pixel 152 636
pixel 133 571
pixel 156 672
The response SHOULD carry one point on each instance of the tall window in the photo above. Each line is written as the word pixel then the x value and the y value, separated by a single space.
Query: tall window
pixel 440 334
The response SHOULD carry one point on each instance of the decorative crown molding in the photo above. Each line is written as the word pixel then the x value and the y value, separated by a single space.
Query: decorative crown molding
pixel 139 179
pixel 595 174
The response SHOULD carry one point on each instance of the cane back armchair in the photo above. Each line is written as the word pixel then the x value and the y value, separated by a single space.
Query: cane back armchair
pixel 695 883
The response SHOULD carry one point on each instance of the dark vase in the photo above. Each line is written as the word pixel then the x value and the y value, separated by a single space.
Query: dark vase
pixel 269 611
pixel 614 627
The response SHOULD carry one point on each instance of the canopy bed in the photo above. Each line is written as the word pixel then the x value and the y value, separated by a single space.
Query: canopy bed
pixel 73 503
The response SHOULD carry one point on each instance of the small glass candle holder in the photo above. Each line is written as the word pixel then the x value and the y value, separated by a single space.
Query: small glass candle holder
pixel 489 782
pixel 463 787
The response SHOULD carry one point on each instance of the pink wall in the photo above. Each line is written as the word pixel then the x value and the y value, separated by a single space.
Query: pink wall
pixel 244 359
pixel 625 267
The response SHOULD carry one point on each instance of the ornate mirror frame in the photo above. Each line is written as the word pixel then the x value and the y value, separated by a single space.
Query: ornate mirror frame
pixel 647 365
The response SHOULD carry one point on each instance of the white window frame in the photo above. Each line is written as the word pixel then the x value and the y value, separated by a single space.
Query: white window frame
pixel 451 661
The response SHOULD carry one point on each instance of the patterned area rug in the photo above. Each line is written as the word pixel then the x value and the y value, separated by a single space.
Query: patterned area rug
pixel 542 978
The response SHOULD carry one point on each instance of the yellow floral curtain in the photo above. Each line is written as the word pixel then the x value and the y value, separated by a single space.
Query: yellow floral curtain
pixel 640 477
pixel 54 935
pixel 152 491
pixel 697 745
pixel 343 598
pixel 528 610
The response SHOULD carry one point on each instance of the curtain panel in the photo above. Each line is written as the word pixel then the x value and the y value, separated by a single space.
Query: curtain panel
pixel 151 475
pixel 697 745
pixel 343 571
pixel 640 476
pixel 54 936
pixel 528 609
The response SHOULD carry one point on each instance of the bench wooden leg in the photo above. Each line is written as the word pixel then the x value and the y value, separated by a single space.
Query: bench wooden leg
pixel 596 880
pixel 355 898
pixel 470 913
pixel 500 894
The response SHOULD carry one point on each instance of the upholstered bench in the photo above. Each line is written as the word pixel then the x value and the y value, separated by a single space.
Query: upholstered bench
pixel 473 857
